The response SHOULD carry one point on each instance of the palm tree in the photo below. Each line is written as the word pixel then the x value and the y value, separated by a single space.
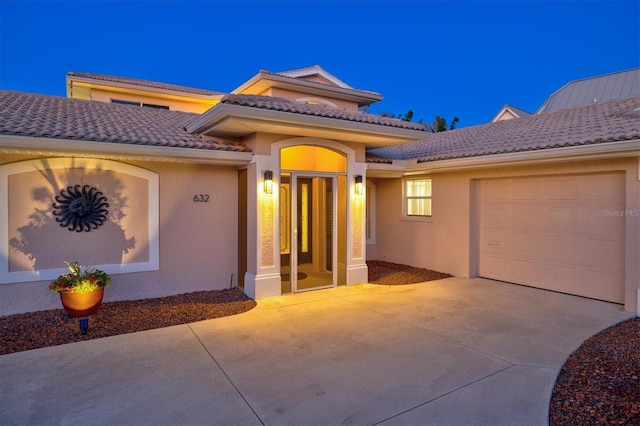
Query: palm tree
pixel 440 124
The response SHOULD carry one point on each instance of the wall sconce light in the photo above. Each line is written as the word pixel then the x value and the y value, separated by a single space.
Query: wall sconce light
pixel 268 182
pixel 359 187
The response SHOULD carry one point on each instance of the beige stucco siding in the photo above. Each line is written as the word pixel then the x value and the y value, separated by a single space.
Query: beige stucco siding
pixel 196 240
pixel 448 242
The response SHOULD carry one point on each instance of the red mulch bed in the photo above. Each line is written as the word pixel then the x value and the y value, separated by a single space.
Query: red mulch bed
pixel 22 332
pixel 600 382
pixel 389 273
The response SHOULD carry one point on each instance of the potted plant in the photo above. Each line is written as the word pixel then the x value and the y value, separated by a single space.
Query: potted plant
pixel 81 290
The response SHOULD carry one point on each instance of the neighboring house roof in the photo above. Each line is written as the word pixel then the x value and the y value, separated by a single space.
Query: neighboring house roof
pixel 617 85
pixel 286 105
pixel 23 114
pixel 509 112
pixel 144 83
pixel 616 120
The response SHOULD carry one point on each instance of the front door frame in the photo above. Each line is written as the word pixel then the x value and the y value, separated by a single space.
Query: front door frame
pixel 293 231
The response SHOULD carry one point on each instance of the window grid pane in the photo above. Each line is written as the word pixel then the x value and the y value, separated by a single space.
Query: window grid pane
pixel 418 197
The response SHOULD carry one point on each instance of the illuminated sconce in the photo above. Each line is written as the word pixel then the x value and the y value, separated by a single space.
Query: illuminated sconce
pixel 268 182
pixel 359 189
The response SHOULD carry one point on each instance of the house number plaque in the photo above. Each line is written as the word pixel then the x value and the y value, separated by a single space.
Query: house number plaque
pixel 201 198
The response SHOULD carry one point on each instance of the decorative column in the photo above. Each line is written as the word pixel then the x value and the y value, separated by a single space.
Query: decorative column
pixel 263 270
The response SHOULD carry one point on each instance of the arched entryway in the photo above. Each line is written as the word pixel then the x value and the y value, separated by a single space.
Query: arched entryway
pixel 312 215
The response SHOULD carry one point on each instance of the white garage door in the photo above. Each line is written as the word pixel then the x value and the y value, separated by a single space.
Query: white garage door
pixel 563 233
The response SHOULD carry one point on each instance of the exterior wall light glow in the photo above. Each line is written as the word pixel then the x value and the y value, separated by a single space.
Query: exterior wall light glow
pixel 268 182
pixel 359 186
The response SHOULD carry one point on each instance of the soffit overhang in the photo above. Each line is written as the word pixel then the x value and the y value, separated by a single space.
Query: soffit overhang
pixel 258 84
pixel 601 151
pixel 40 146
pixel 230 121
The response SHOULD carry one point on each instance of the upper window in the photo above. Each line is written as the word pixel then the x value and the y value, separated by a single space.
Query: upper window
pixel 122 102
pixel 417 197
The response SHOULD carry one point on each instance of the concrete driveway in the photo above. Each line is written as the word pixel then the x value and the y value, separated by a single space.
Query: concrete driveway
pixel 448 352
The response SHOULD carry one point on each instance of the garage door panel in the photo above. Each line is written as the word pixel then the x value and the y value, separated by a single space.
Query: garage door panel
pixel 522 271
pixel 561 188
pixel 495 217
pixel 495 190
pixel 606 187
pixel 558 277
pixel 600 284
pixel 524 218
pixel 494 242
pixel 553 232
pixel 523 245
pixel 494 267
pixel 595 222
pixel 558 248
pixel 525 189
pixel 601 253
pixel 559 219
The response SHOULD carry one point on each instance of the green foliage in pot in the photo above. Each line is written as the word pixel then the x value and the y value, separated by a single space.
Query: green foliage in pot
pixel 80 279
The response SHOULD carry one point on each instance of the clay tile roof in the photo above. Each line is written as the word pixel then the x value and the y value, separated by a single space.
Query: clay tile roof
pixel 26 114
pixel 370 158
pixel 145 83
pixel 285 105
pixel 617 120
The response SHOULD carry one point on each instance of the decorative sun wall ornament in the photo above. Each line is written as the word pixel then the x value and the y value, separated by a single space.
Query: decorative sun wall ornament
pixel 80 208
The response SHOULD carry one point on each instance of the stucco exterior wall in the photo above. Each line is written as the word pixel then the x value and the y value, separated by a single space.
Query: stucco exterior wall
pixel 197 240
pixel 447 241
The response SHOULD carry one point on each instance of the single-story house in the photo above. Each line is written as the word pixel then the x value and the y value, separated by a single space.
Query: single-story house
pixel 285 185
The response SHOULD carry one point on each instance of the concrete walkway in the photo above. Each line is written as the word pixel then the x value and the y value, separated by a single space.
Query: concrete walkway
pixel 448 352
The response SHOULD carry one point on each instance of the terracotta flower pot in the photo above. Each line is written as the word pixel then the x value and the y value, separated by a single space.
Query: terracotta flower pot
pixel 82 304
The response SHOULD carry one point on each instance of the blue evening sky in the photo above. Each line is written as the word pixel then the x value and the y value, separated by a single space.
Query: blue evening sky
pixel 448 58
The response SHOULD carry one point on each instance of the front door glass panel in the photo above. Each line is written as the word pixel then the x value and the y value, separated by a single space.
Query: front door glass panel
pixel 307 232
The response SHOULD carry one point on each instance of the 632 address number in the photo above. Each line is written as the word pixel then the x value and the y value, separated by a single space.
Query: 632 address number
pixel 201 198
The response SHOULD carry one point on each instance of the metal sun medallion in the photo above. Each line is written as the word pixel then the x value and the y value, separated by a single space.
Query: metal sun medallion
pixel 80 208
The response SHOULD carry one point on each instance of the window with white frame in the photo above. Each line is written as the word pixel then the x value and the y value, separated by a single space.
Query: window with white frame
pixel 417 197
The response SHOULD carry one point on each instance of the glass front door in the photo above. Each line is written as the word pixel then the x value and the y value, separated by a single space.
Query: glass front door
pixel 307 230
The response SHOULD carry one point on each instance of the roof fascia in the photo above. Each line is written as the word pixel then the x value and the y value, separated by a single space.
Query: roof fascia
pixel 316 70
pixel 137 89
pixel 80 148
pixel 207 122
pixel 360 96
pixel 623 149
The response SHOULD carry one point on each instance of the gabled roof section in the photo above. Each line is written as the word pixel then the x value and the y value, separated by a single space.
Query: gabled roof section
pixel 237 116
pixel 285 105
pixel 135 83
pixel 600 123
pixel 23 114
pixel 317 72
pixel 509 112
pixel 617 85
pixel 301 81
